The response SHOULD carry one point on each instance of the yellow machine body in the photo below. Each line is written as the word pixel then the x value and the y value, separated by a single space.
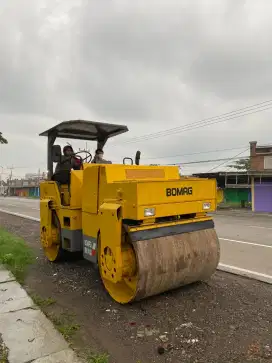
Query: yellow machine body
pixel 145 226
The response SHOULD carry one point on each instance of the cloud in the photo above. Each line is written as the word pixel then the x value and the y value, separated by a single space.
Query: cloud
pixel 151 65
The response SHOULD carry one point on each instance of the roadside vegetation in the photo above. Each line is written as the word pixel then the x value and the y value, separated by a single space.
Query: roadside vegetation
pixel 42 303
pixel 3 352
pixel 65 324
pixel 15 255
pixel 98 358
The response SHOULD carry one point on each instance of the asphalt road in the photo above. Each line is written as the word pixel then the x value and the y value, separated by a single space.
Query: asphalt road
pixel 226 319
pixel 245 238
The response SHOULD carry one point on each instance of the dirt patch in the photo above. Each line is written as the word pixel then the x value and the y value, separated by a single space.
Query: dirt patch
pixel 3 351
pixel 228 319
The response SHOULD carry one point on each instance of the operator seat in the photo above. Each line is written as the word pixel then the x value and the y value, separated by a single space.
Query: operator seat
pixel 62 174
pixel 63 167
pixel 62 177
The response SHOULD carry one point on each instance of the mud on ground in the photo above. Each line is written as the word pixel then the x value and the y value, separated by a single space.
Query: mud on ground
pixel 228 319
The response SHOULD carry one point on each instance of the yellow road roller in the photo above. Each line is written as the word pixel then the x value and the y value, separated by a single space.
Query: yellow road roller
pixel 147 228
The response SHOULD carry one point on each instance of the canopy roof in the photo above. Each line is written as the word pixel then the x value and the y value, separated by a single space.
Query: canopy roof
pixel 85 130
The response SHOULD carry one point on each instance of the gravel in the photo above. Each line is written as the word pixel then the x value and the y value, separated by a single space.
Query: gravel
pixel 228 319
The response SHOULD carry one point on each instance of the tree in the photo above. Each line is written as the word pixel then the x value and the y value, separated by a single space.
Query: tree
pixel 2 139
pixel 241 164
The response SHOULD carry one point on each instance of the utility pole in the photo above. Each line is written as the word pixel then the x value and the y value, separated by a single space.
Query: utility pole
pixel 10 178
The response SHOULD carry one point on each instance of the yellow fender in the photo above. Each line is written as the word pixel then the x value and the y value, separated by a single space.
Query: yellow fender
pixel 110 241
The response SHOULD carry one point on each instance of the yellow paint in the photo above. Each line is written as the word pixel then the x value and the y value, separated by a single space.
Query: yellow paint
pixel 90 189
pixel 76 185
pixel 111 238
pixel 90 224
pixel 122 290
pixel 102 197
pixel 70 219
pixel 50 238
pixel 65 195
pixel 135 174
pixel 127 173
pixel 49 190
pixel 253 194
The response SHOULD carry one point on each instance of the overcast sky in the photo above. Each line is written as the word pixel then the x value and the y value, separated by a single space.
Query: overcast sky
pixel 149 64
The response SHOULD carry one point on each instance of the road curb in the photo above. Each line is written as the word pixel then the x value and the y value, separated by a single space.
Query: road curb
pixel 20 215
pixel 26 332
pixel 246 273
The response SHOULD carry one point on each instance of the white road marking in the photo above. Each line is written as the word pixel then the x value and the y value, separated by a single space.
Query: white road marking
pixel 22 200
pixel 18 206
pixel 248 273
pixel 238 224
pixel 244 242
pixel 261 227
pixel 18 200
pixel 20 215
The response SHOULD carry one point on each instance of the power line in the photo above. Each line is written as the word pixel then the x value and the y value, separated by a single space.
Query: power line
pixel 167 156
pixel 259 107
pixel 196 153
pixel 200 161
pixel 176 129
pixel 199 126
pixel 209 160
pixel 235 156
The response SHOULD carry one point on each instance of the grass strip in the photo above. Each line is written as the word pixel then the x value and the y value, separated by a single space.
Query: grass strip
pixel 15 254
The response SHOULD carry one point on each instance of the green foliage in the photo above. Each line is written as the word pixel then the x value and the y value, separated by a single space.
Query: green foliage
pixel 42 302
pixel 2 139
pixel 241 164
pixel 98 358
pixel 65 325
pixel 4 352
pixel 15 254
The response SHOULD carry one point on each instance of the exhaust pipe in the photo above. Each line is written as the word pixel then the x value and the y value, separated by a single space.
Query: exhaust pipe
pixel 138 157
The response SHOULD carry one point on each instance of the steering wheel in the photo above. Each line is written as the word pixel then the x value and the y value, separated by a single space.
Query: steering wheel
pixel 82 160
pixel 87 159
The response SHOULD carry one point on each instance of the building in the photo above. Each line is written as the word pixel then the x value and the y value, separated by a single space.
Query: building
pixel 250 187
pixel 234 188
pixel 29 186
pixel 3 187
pixel 32 176
pixel 261 177
pixel 24 187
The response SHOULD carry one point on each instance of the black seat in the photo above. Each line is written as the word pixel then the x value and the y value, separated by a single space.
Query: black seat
pixel 62 177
